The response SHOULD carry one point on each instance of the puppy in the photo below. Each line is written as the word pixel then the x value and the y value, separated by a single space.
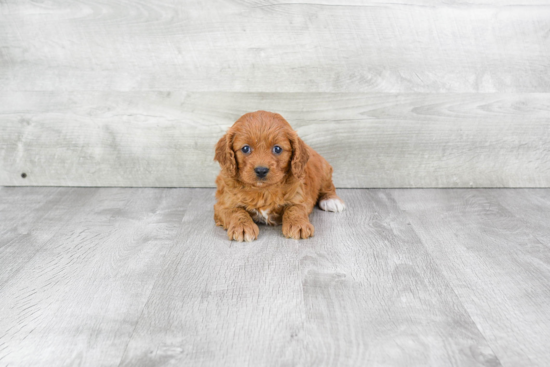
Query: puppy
pixel 270 176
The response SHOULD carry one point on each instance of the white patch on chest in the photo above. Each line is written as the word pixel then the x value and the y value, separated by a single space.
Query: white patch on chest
pixel 264 216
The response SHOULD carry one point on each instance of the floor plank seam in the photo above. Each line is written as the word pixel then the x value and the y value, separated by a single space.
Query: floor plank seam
pixel 443 276
pixel 157 278
pixel 142 276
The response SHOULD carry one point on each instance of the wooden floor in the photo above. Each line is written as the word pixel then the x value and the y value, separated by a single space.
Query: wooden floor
pixel 142 277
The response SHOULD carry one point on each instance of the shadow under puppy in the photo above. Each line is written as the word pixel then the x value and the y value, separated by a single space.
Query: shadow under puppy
pixel 269 175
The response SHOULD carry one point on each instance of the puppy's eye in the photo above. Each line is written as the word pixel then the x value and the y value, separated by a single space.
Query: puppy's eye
pixel 277 150
pixel 245 149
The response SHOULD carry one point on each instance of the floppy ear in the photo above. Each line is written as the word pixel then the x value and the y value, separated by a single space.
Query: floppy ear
pixel 300 156
pixel 225 155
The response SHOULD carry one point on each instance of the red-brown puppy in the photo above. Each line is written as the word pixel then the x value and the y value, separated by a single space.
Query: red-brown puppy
pixel 269 175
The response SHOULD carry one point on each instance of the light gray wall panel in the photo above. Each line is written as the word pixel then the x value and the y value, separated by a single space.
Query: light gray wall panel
pixel 372 140
pixel 275 46
pixel 394 93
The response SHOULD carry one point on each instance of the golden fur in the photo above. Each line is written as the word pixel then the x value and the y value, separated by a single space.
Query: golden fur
pixel 298 178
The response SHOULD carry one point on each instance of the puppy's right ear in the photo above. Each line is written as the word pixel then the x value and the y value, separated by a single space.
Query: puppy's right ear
pixel 225 155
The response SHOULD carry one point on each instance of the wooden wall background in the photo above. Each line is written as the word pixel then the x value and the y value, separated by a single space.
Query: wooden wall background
pixel 394 93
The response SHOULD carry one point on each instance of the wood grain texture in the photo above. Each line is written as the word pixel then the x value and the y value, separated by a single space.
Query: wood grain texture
pixel 401 278
pixel 166 139
pixel 403 93
pixel 17 205
pixel 493 247
pixel 77 294
pixel 275 46
pixel 531 207
pixel 362 292
pixel 32 217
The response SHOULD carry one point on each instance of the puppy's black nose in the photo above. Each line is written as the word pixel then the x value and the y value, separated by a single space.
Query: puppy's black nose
pixel 261 172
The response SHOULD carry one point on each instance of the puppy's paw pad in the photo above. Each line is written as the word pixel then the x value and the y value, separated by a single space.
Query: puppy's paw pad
pixel 298 230
pixel 243 232
pixel 332 205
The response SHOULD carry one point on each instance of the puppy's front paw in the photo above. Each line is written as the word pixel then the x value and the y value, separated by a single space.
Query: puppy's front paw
pixel 243 231
pixel 298 230
pixel 332 205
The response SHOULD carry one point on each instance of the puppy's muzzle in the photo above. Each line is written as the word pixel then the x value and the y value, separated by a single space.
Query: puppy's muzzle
pixel 261 172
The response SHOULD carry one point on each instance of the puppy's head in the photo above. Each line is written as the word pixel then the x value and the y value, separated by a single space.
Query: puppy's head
pixel 261 149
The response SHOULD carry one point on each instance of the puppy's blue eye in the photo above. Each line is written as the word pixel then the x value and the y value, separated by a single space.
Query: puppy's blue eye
pixel 277 150
pixel 245 149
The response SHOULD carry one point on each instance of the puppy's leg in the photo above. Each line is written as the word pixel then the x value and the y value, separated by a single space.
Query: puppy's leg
pixel 238 223
pixel 296 223
pixel 328 200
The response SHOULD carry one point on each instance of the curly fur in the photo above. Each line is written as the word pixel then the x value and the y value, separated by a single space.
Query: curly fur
pixel 298 179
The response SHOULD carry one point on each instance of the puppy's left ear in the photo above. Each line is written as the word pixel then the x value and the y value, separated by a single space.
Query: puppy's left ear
pixel 300 156
pixel 225 155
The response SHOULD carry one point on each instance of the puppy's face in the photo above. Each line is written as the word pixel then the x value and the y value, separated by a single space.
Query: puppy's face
pixel 263 154
pixel 260 149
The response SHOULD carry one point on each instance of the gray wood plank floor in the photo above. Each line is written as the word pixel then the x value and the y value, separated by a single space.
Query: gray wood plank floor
pixel 142 277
